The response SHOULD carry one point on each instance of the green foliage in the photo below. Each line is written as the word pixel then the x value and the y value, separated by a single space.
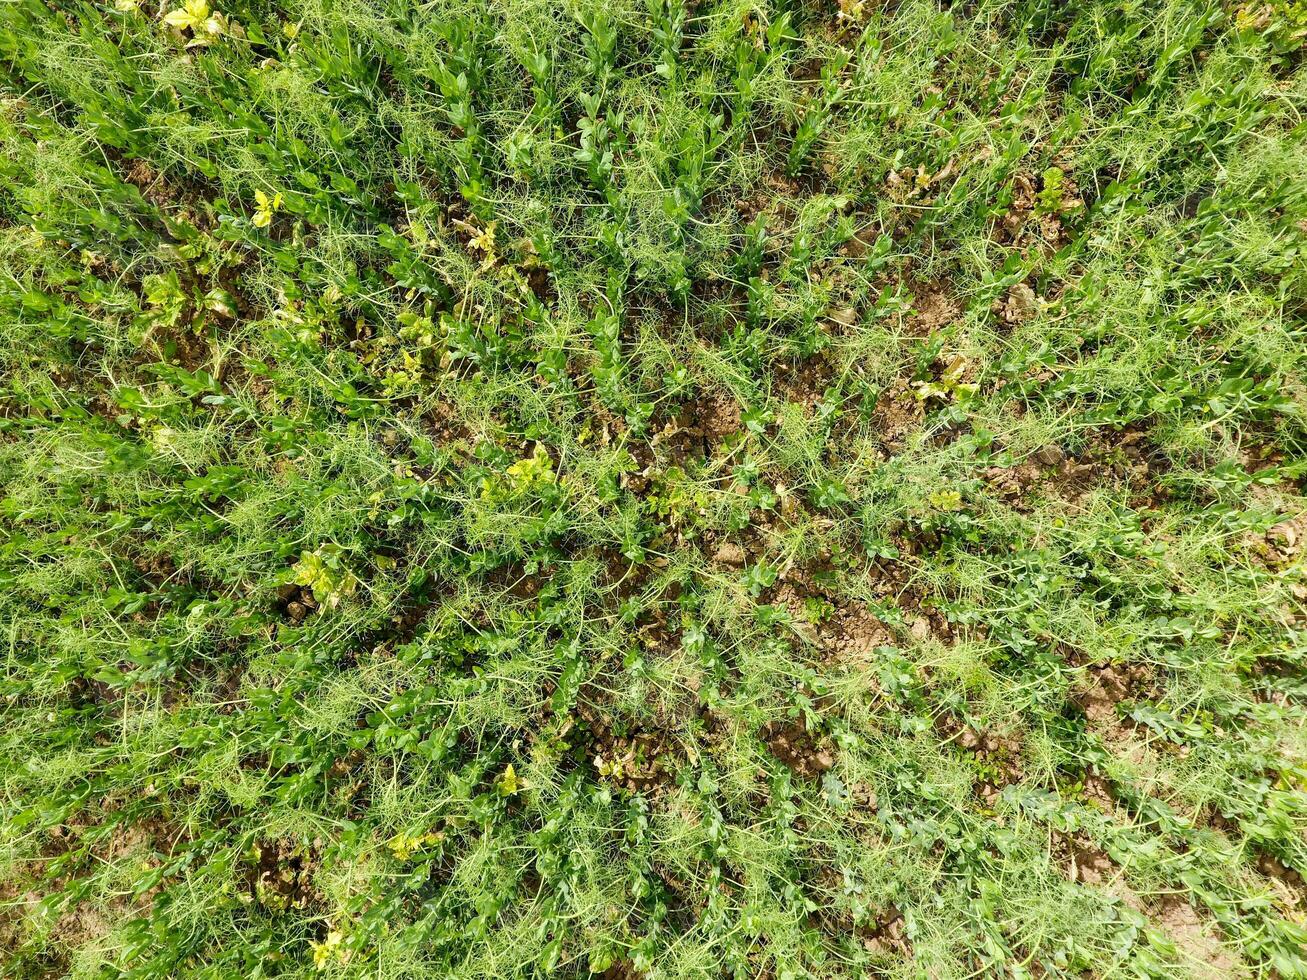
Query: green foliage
pixel 653 489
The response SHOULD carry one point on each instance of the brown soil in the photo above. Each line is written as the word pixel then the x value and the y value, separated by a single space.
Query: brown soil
pixel 1196 940
pixel 889 935
pixel 185 347
pixel 1000 753
pixel 82 924
pixel 1019 305
pixel 1087 864
pixel 1106 686
pixel 639 759
pixel 621 970
pixel 1098 792
pixel 730 554
pixel 851 634
pixel 932 309
pixel 898 413
pixel 1288 882
pixel 806 382
pixel 1121 458
pixel 445 426
pixel 716 417
pixel 806 755
pixel 1286 540
pixel 281 875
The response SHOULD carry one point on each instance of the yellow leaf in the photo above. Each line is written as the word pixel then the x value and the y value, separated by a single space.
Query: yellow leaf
pixel 535 469
pixel 192 15
pixel 508 783
pixel 328 950
pixel 484 242
pixel 322 572
pixel 946 500
pixel 264 208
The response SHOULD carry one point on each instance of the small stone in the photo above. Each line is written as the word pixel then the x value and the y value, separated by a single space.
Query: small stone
pixel 846 316
pixel 1021 303
pixel 729 553
pixel 1283 536
pixel 864 795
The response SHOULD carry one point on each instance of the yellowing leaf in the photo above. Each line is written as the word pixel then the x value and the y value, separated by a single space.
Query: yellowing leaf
pixel 323 572
pixel 537 468
pixel 946 500
pixel 327 951
pixel 264 207
pixel 192 15
pixel 484 242
pixel 404 845
pixel 508 783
